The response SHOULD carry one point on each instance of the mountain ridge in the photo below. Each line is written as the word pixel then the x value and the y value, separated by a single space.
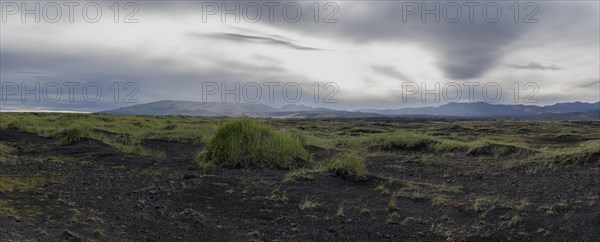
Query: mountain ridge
pixel 575 110
pixel 483 109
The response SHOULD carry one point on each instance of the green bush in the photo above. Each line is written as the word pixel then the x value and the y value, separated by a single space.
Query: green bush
pixel 398 140
pixel 245 143
pixel 451 146
pixel 349 166
pixel 70 136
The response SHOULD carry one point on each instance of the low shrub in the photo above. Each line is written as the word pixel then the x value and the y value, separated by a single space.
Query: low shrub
pixel 70 136
pixel 451 146
pixel 245 143
pixel 398 140
pixel 309 204
pixel 585 153
pixel 349 166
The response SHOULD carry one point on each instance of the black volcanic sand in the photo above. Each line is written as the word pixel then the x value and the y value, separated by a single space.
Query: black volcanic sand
pixel 91 191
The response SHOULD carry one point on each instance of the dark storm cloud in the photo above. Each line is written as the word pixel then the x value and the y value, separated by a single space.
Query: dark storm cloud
pixel 157 79
pixel 535 66
pixel 464 50
pixel 107 64
pixel 243 38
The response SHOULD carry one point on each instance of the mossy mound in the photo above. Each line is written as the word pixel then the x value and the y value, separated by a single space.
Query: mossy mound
pixel 246 143
pixel 501 150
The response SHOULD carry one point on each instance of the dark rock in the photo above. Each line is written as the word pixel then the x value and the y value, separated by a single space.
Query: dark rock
pixel 68 236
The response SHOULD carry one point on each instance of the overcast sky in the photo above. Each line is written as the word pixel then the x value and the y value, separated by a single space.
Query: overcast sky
pixel 369 49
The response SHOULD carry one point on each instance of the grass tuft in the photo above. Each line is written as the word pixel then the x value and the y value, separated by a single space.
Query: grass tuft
pixel 71 135
pixel 397 141
pixel 349 166
pixel 244 143
pixel 308 204
pixel 340 212
pixel 392 203
pixel 9 184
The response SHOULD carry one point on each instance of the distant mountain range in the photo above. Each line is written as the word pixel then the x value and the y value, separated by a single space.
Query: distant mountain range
pixel 483 109
pixel 559 111
pixel 170 107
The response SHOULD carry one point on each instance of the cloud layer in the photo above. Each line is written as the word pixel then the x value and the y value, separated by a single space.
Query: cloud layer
pixel 372 49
